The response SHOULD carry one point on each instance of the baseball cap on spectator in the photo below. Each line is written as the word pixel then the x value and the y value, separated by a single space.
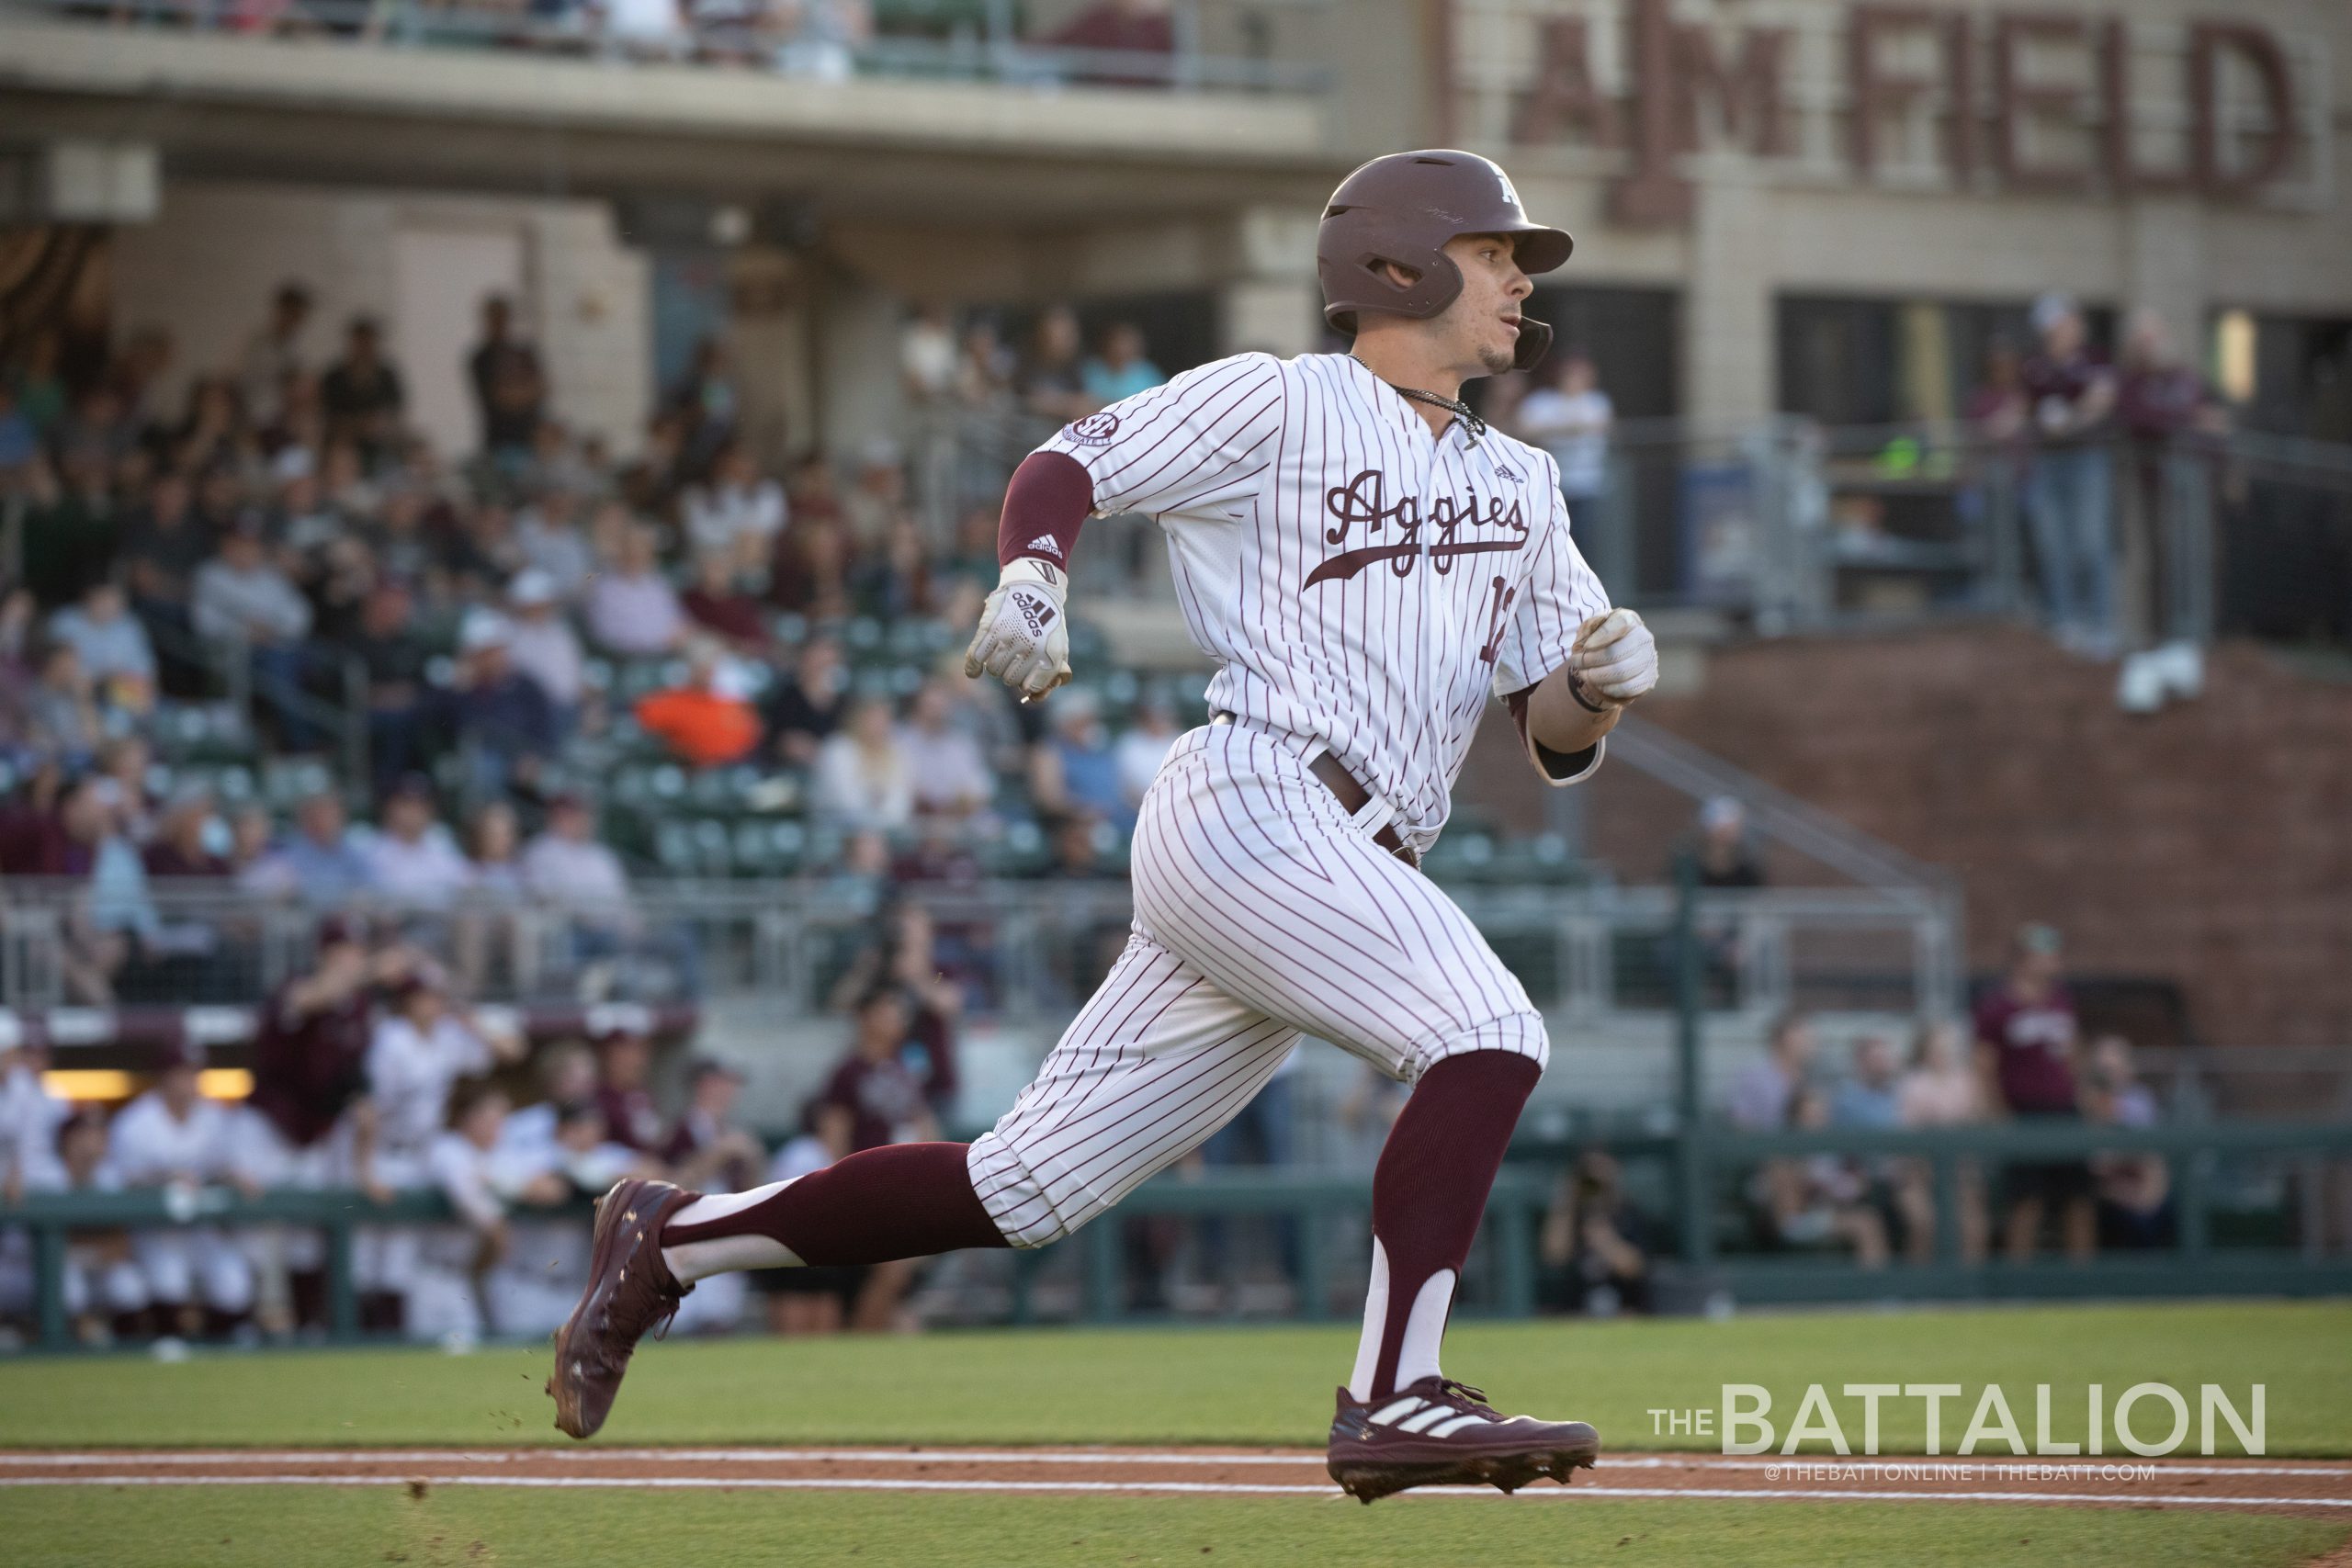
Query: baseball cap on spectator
pixel 703 1068
pixel 182 1050
pixel 2040 939
pixel 532 587
pixel 2053 308
pixel 484 629
pixel 1722 811
pixel 881 452
pixel 247 523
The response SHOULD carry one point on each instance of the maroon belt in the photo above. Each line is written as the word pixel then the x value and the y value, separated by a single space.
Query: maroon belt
pixel 1350 793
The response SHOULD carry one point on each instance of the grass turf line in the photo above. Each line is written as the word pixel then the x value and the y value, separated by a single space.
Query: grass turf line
pixel 264 1526
pixel 1212 1385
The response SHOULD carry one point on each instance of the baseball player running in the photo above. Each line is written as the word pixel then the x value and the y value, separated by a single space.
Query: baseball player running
pixel 1366 562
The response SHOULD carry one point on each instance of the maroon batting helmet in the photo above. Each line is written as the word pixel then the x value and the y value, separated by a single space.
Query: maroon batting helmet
pixel 1403 208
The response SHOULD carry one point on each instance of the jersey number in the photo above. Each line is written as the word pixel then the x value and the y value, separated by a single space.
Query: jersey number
pixel 1504 594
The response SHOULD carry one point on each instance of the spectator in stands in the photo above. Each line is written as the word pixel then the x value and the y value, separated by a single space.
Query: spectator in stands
pixel 485 930
pixel 1139 29
pixel 319 863
pixel 2027 1038
pixel 862 777
pixel 892 582
pixel 951 777
pixel 903 954
pixel 2160 404
pixel 876 502
pixel 550 541
pixel 61 717
pixel 507 727
pixel 567 1077
pixel 927 355
pixel 884 1102
pixel 240 597
pixel 1122 369
pixel 706 1150
pixel 805 707
pixel 112 645
pixel 1052 374
pixel 392 659
pixel 1726 857
pixel 708 406
pixel 986 366
pixel 274 353
pixel 362 393
pixel 510 388
pixel 162 549
pixel 1943 1089
pixel 810 574
pixel 631 609
pixel 1570 417
pixel 1074 768
pixel 1820 1200
pixel 719 608
pixel 624 1067
pixel 542 646
pixel 1594 1248
pixel 182 845
pixel 1144 748
pixel 2069 492
pixel 1761 1097
pixel 1869 1098
pixel 566 867
pixel 411 860
pixel 2135 1207
pixel 173 1138
pixel 707 721
pixel 737 514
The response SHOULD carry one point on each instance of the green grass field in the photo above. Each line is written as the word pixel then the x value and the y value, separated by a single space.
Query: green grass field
pixel 1184 1386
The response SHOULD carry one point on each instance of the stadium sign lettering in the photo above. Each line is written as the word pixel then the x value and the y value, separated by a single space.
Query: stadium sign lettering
pixel 1997 86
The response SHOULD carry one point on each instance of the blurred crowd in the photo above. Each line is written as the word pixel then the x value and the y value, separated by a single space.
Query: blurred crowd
pixel 2020 1058
pixel 369 1074
pixel 499 637
pixel 817 40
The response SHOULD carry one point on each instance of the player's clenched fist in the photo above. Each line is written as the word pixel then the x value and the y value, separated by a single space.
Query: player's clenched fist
pixel 1615 659
pixel 1024 638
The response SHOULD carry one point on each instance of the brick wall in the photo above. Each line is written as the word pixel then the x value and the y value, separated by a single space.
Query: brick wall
pixel 2210 844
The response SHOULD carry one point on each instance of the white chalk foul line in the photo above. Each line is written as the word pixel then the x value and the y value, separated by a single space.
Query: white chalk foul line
pixel 1026 1456
pixel 860 1483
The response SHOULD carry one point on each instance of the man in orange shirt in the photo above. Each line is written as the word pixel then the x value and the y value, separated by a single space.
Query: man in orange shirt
pixel 707 721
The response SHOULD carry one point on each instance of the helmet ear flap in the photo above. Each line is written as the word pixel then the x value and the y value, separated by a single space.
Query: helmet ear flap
pixel 1534 342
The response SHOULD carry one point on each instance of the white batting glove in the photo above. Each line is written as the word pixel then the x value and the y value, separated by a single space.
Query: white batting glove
pixel 1024 639
pixel 1614 660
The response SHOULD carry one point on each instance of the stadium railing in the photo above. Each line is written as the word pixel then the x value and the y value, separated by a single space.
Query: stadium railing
pixel 1019 946
pixel 2283 1188
pixel 1317 1205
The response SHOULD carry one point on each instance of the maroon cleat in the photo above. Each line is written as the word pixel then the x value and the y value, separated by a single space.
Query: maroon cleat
pixel 1437 1432
pixel 630 1291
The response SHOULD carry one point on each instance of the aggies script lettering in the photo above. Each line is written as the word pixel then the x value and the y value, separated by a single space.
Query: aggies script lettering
pixel 1364 498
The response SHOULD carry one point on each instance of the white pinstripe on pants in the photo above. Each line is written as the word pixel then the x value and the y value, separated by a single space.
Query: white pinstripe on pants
pixel 1262 912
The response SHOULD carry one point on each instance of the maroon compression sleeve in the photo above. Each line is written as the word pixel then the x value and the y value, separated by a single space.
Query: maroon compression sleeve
pixel 1044 506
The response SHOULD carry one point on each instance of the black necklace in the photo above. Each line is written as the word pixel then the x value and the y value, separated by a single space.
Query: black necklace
pixel 1473 426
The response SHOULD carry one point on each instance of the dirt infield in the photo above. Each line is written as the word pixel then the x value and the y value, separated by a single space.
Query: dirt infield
pixel 2320 1488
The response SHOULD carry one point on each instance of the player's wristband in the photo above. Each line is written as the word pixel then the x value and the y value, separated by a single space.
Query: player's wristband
pixel 1042 574
pixel 1577 690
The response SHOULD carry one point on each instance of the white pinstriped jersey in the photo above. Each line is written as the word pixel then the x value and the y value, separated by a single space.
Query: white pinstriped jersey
pixel 1359 580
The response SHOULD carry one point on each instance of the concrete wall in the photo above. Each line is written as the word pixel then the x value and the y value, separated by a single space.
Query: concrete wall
pixel 205 269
